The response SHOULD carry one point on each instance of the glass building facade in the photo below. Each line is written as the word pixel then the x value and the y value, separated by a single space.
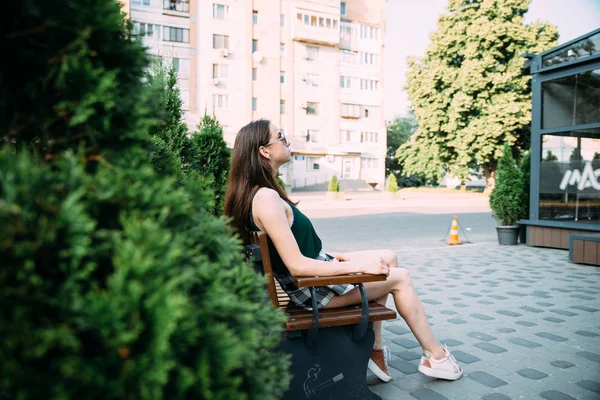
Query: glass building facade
pixel 565 136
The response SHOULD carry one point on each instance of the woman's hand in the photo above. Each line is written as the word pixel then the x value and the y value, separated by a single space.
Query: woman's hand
pixel 378 268
pixel 340 257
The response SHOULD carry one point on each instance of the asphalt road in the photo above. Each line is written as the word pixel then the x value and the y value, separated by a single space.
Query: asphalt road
pixel 402 231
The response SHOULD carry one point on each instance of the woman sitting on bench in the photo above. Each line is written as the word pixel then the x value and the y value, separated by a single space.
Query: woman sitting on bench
pixel 255 202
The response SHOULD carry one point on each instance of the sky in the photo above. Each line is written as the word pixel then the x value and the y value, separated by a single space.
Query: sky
pixel 410 22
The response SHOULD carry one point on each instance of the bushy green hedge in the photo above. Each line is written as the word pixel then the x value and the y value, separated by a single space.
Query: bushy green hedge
pixel 117 280
pixel 508 199
pixel 334 185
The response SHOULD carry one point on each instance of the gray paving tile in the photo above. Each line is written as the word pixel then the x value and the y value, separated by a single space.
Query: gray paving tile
pixel 403 366
pixel 531 309
pixel 582 297
pixel 544 304
pixel 481 336
pixel 518 294
pixel 554 319
pixel 461 305
pixel 589 356
pixel 398 330
pixel 524 342
pixel 429 301
pixel 555 395
pixel 470 294
pixel 463 357
pixel 562 364
pixel 584 308
pixel 457 321
pixel 495 396
pixel 427 394
pixel 485 302
pixel 448 312
pixel 489 347
pixel 497 297
pixel 527 323
pixel 564 312
pixel 531 373
pixel 451 342
pixel 486 379
pixel 406 343
pixel 587 333
pixel 408 355
pixel 509 313
pixel 482 317
pixel 590 385
pixel 406 383
pixel 506 330
pixel 551 336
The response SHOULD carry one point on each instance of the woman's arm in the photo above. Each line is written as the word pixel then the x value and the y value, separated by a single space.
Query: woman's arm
pixel 269 214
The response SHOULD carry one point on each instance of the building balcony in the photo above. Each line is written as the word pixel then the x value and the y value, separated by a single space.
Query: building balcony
pixel 315 34
pixel 348 42
pixel 177 5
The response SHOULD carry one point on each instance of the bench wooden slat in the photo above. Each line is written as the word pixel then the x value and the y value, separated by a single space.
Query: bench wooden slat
pixel 307 281
pixel 300 319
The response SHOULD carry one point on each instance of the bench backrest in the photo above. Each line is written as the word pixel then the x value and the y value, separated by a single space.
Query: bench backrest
pixel 278 297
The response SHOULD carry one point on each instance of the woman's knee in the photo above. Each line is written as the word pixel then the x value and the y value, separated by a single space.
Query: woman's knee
pixel 400 275
pixel 390 258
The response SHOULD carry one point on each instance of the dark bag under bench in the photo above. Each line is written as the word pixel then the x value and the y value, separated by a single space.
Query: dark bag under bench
pixel 330 348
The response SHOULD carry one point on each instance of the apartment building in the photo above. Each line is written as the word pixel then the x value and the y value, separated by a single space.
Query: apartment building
pixel 315 68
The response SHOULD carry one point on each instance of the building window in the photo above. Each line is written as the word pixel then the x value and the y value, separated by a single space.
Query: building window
pixel 350 110
pixel 343 8
pixel 254 17
pixel 312 163
pixel 368 84
pixel 313 20
pixel 180 35
pixel 181 66
pixel 328 23
pixel 314 136
pixel 365 112
pixel 281 76
pixel 321 22
pixel 220 101
pixel 306 19
pixel 254 45
pixel 282 20
pixel 282 49
pixel 141 2
pixel 281 106
pixel 347 136
pixel 220 71
pixel 254 74
pixel 176 5
pixel 312 108
pixel 345 82
pixel 254 104
pixel 220 42
pixel 367 162
pixel 368 137
pixel 311 80
pixel 312 53
pixel 142 29
pixel 349 56
pixel 220 11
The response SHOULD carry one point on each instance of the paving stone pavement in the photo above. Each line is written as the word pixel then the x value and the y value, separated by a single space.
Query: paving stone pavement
pixel 523 322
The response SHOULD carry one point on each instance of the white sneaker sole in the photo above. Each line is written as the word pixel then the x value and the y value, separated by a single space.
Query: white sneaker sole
pixel 440 374
pixel 377 371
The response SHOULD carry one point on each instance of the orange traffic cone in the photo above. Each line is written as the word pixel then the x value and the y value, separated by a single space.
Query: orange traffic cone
pixel 454 233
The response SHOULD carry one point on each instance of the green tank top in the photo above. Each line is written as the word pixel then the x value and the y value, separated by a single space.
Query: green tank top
pixel 308 241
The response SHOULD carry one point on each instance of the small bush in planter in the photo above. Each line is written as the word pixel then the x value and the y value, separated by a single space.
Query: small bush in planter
pixel 508 199
pixel 334 185
pixel 392 184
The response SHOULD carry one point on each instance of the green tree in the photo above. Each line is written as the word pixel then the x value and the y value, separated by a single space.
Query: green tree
pixel 392 184
pixel 398 133
pixel 117 282
pixel 508 199
pixel 550 156
pixel 334 184
pixel 470 93
pixel 525 166
pixel 208 154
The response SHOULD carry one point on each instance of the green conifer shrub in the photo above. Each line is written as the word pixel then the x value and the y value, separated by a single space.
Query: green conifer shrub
pixel 507 200
pixel 117 280
pixel 334 185
pixel 392 184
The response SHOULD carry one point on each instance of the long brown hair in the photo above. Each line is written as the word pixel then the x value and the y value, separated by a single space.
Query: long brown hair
pixel 249 171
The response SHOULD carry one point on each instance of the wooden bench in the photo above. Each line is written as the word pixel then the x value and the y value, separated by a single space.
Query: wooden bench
pixel 329 348
pixel 584 248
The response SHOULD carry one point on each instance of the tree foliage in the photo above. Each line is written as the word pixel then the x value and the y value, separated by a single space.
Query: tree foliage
pixel 334 184
pixel 398 133
pixel 508 199
pixel 117 281
pixel 470 93
pixel 392 184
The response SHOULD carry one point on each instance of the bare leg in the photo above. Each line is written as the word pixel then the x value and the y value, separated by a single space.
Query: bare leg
pixel 407 303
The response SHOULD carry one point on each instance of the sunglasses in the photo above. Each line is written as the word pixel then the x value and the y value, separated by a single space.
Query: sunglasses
pixel 280 137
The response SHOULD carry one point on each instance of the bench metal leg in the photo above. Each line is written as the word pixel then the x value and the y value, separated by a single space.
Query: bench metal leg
pixel 334 367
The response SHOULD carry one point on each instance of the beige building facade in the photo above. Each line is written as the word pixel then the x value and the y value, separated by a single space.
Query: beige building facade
pixel 314 68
